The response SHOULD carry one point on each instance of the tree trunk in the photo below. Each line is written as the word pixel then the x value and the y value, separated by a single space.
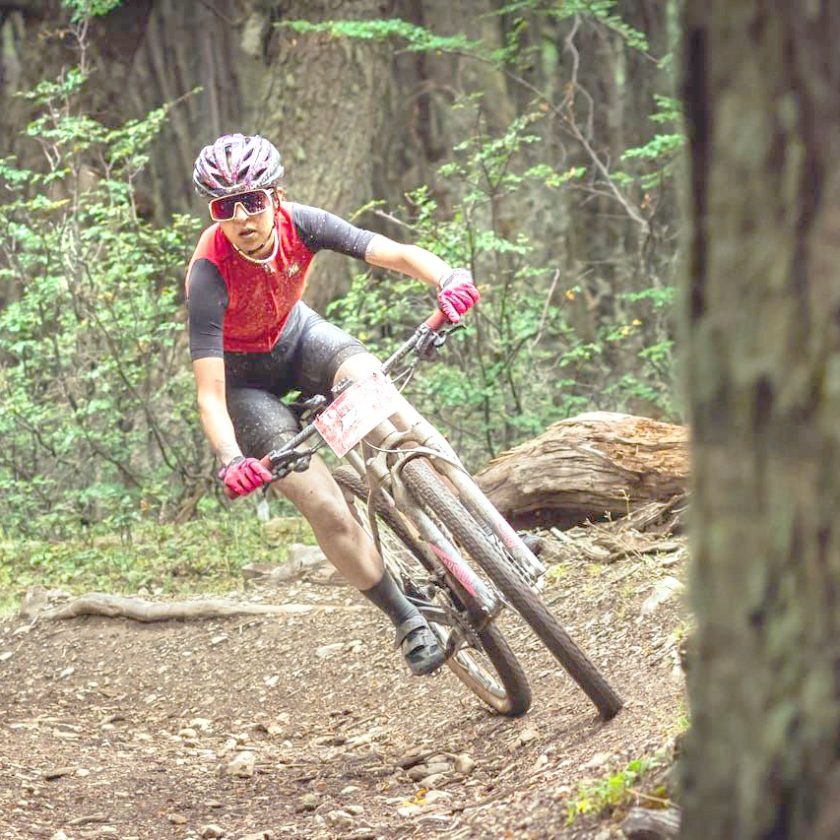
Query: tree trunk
pixel 762 322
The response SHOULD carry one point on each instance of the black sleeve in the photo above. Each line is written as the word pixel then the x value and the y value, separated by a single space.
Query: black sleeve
pixel 319 229
pixel 207 300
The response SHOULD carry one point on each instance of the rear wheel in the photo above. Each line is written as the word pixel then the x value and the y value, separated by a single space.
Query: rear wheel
pixel 430 489
pixel 481 659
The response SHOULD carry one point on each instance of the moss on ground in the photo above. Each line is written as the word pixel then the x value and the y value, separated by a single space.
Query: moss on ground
pixel 204 555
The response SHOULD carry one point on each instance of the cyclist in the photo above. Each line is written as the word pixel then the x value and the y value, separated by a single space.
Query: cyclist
pixel 252 340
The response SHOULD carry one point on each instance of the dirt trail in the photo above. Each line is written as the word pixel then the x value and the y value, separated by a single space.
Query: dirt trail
pixel 116 729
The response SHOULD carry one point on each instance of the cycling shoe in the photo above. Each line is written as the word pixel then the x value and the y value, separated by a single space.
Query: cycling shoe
pixel 419 646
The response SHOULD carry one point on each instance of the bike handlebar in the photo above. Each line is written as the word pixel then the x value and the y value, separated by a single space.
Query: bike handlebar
pixel 265 461
pixel 434 322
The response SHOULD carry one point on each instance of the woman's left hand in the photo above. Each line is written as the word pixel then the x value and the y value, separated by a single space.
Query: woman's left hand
pixel 457 294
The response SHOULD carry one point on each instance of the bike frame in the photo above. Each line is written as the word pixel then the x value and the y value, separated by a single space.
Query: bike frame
pixel 385 451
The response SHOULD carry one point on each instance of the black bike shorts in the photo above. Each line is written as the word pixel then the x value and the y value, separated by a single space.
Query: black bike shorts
pixel 305 358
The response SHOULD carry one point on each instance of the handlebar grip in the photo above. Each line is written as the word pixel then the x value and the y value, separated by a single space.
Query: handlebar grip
pixel 436 320
pixel 265 461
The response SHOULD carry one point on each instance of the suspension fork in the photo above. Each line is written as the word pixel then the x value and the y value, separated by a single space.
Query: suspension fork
pixel 472 494
pixel 450 466
pixel 445 552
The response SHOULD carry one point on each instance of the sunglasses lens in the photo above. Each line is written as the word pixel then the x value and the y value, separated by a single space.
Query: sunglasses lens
pixel 224 209
pixel 254 202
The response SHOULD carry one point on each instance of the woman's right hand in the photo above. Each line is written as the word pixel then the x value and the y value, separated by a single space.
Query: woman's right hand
pixel 243 475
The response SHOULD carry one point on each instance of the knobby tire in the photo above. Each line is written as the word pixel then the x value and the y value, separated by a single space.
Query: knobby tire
pixel 430 489
pixel 514 681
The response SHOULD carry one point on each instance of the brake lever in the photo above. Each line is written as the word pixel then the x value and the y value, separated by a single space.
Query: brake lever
pixel 290 462
pixel 432 340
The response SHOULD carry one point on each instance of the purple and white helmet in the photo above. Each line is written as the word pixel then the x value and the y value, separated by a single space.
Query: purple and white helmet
pixel 235 163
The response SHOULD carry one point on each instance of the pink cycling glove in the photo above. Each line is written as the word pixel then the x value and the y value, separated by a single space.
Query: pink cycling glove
pixel 457 294
pixel 244 475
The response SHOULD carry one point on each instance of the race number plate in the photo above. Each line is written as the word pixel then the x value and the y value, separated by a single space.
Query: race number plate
pixel 357 410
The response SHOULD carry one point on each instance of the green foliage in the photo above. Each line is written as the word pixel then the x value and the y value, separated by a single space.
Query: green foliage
pixel 519 364
pixel 602 11
pixel 81 10
pixel 198 556
pixel 415 38
pixel 662 145
pixel 660 298
pixel 661 152
pixel 610 792
pixel 647 338
pixel 97 418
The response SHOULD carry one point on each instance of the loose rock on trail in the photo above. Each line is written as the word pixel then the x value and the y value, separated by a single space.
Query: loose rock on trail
pixel 307 725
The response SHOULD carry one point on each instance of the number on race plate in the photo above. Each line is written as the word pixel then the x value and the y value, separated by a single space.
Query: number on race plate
pixel 357 411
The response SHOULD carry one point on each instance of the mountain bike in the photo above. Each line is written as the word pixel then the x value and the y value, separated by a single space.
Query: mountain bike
pixel 455 556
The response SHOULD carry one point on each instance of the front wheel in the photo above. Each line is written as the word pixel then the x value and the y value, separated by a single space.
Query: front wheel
pixel 430 489
pixel 479 658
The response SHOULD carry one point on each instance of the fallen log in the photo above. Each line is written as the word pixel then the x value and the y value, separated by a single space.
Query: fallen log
pixel 592 466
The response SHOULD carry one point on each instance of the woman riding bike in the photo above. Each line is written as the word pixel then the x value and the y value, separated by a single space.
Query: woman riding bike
pixel 253 340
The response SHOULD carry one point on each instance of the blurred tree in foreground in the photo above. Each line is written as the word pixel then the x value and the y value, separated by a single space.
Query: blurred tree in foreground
pixel 762 315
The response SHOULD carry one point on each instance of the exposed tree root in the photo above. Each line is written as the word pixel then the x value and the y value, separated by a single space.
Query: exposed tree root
pixel 138 609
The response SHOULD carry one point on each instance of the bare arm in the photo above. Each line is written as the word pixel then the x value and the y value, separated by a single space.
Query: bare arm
pixel 212 407
pixel 408 259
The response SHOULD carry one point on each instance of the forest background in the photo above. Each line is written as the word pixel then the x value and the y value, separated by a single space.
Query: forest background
pixel 534 142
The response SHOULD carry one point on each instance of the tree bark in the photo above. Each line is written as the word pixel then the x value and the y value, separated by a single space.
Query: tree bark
pixel 762 357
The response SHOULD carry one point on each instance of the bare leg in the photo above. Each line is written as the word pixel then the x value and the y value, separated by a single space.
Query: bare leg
pixel 346 545
pixel 352 552
pixel 316 495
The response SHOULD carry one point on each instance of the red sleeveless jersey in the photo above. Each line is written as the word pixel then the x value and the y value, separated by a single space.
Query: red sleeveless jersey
pixel 260 297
